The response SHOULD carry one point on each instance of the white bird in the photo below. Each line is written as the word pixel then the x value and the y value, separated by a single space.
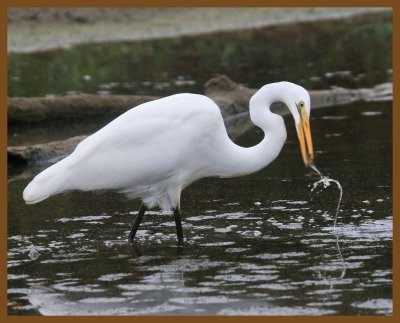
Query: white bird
pixel 158 148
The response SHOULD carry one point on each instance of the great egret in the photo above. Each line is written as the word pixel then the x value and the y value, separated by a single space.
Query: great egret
pixel 158 148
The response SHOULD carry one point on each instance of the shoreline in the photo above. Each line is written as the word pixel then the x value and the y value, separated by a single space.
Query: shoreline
pixel 34 31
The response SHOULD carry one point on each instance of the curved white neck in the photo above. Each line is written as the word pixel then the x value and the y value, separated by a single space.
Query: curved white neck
pixel 239 160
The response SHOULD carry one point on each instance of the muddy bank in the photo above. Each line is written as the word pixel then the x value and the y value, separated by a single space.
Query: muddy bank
pixel 38 29
pixel 232 98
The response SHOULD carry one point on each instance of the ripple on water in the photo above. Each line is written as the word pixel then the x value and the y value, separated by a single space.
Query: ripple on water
pixel 371 113
pixel 227 229
pixel 382 273
pixel 189 265
pixel 245 278
pixel 144 287
pixel 76 235
pixel 276 286
pixel 274 310
pixel 325 282
pixel 12 276
pixel 266 256
pixel 200 218
pixel 217 244
pixel 379 305
pixel 89 218
pixel 194 290
pixel 372 229
pixel 113 277
pixel 99 300
pixel 260 269
pixel 71 286
pixel 203 300
pixel 250 233
pixel 236 250
pixel 334 117
pixel 68 257
pixel 232 215
pixel 50 303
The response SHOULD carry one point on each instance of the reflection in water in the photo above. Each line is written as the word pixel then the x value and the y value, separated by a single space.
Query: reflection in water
pixel 330 279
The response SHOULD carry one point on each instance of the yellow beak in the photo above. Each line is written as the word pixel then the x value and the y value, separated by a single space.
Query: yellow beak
pixel 304 134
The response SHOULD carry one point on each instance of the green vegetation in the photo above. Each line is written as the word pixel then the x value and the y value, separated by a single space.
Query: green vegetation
pixel 311 54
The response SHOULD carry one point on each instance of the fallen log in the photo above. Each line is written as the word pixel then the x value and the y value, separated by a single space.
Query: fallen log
pixel 46 152
pixel 43 109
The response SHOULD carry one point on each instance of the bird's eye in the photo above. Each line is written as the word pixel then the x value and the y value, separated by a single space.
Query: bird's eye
pixel 301 104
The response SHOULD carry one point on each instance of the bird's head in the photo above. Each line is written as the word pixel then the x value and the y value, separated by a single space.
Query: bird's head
pixel 297 100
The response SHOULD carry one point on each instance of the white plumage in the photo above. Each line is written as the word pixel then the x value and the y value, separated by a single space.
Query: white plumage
pixel 158 148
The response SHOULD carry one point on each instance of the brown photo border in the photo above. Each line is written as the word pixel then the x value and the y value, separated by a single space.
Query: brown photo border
pixel 4 4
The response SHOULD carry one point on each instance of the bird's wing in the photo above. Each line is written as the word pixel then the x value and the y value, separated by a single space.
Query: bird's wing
pixel 145 145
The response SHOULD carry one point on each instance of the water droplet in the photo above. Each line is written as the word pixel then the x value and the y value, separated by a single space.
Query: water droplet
pixel 326 182
pixel 108 243
pixel 250 233
pixel 33 253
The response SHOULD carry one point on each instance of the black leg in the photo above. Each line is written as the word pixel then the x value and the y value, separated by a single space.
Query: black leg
pixel 178 223
pixel 137 222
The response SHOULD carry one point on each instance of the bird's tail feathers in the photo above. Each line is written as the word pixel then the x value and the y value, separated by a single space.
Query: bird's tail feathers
pixel 49 182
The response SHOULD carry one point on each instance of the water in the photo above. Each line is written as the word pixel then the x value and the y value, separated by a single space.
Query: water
pixel 326 182
pixel 257 245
